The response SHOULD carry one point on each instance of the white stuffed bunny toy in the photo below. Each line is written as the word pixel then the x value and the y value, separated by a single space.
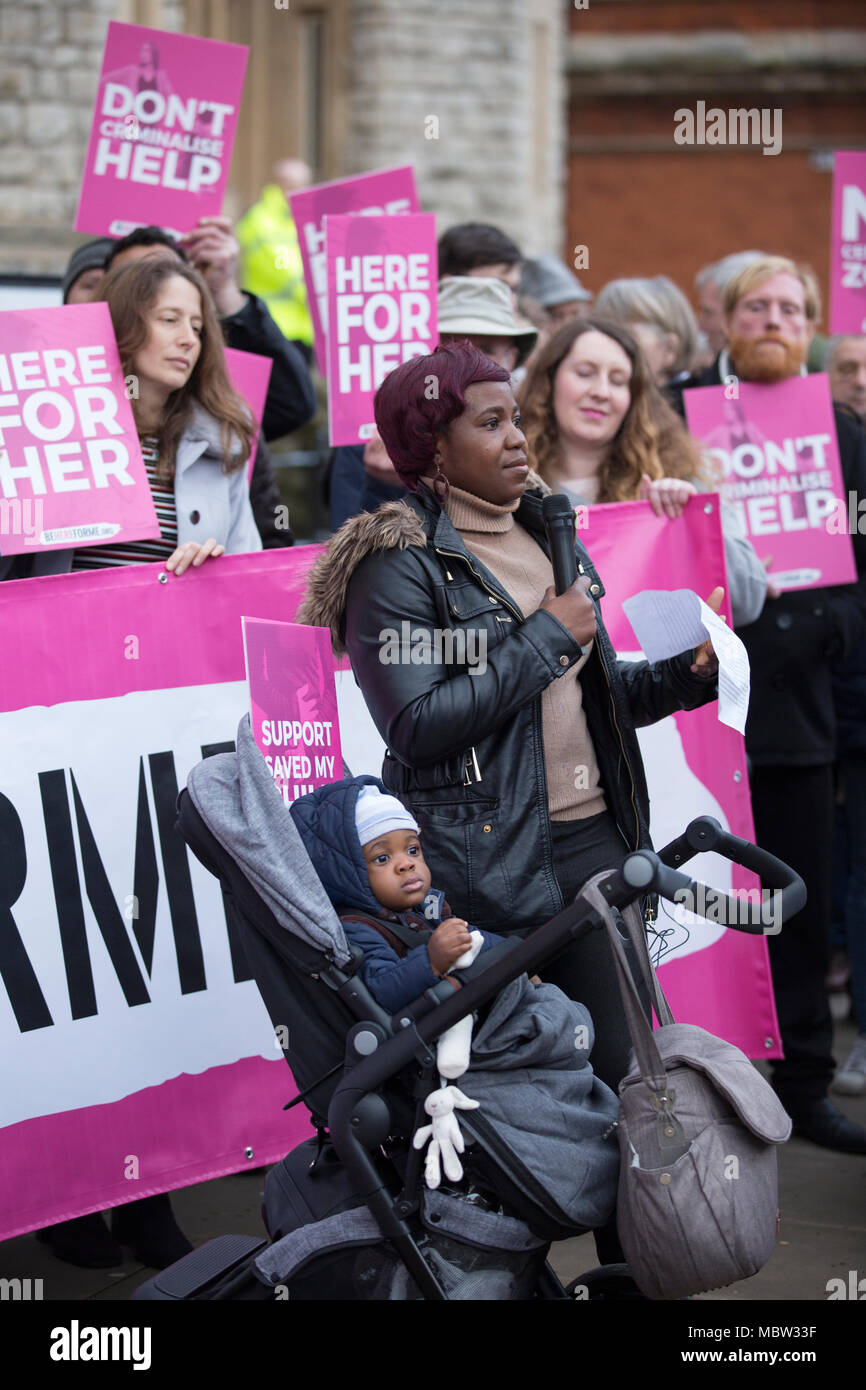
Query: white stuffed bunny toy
pixel 452 1060
pixel 446 1141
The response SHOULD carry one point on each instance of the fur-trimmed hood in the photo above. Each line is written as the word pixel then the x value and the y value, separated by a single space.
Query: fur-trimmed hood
pixel 395 525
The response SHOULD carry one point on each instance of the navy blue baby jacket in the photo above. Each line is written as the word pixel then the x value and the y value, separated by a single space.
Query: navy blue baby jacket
pixel 325 820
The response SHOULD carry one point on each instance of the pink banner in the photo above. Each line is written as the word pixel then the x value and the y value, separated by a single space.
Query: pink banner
pixel 713 976
pixel 848 243
pixel 381 310
pixel 293 704
pixel 386 192
pixel 71 471
pixel 250 375
pixel 139 1054
pixel 774 451
pixel 163 129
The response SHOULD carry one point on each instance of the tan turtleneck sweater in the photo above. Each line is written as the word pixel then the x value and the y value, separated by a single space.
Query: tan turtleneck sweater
pixel 524 571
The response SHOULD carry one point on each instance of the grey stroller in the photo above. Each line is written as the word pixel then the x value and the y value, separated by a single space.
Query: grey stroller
pixel 347 1212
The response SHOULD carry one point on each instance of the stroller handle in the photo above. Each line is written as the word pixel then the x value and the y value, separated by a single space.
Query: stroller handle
pixel 784 895
pixel 358 1121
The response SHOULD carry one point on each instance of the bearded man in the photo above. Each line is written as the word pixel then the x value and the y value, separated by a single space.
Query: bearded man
pixel 772 308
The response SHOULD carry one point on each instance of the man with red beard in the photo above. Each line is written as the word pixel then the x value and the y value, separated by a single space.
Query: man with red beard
pixel 771 312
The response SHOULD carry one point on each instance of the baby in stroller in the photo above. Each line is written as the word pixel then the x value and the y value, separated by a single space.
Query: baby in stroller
pixel 395 971
pixel 365 847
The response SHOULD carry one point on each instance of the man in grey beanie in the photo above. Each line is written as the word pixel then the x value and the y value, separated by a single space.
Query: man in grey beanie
pixel 85 270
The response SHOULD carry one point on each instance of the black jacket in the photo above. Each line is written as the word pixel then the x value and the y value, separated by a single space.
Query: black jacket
pixel 291 399
pixel 849 694
pixel 465 750
pixel 799 638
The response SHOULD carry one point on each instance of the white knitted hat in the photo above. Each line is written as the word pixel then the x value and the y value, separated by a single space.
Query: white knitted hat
pixel 376 814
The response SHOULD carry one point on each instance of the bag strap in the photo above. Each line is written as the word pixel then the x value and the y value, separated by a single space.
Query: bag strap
pixel 395 933
pixel 634 925
pixel 647 1054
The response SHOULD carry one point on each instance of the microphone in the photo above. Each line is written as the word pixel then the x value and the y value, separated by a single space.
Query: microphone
pixel 558 516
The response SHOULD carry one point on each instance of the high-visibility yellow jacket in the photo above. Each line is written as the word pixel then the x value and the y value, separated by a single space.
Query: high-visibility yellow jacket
pixel 271 264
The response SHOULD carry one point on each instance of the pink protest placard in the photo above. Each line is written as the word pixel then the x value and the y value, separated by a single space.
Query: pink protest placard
pixel 386 192
pixel 381 310
pixel 71 471
pixel 163 128
pixel 848 243
pixel 774 452
pixel 293 704
pixel 249 374
pixel 714 976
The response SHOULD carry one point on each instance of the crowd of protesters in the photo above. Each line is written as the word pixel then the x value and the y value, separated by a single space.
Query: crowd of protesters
pixel 599 389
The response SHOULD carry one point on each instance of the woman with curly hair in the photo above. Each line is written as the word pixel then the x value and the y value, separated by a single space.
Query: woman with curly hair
pixel 599 430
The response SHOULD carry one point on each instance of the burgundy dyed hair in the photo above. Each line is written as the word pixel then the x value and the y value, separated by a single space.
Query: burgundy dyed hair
pixel 418 401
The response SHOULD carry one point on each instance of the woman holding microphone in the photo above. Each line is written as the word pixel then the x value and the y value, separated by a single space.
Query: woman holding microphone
pixel 523 766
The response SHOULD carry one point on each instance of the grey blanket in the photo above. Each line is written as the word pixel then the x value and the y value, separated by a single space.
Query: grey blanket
pixel 531 1073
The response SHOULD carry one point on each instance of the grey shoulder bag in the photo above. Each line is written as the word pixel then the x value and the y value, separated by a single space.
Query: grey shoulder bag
pixel 697 1204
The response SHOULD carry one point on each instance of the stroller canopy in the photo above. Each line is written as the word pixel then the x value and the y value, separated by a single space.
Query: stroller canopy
pixel 236 798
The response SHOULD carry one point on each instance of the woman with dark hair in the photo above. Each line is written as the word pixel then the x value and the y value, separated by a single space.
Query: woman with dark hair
pixel 599 430
pixel 524 766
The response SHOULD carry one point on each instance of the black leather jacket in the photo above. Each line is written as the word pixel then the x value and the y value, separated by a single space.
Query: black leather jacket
pixel 465 749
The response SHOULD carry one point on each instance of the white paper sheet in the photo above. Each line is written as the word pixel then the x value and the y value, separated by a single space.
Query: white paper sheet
pixel 667 622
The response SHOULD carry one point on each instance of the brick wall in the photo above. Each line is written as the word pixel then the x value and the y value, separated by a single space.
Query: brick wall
pixel 643 204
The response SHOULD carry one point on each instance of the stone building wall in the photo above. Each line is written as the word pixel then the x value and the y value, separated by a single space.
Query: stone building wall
pixel 471 93
pixel 488 71
pixel 50 54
